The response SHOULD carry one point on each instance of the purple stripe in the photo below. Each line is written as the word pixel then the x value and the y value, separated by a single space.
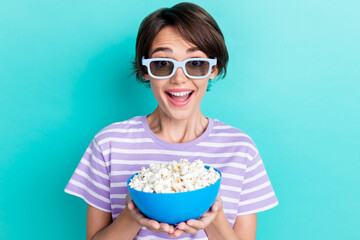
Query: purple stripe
pixel 98 178
pixel 254 172
pixel 146 232
pixel 149 145
pixel 88 197
pixel 117 201
pixel 231 194
pixel 256 194
pixel 168 157
pixel 120 178
pixel 95 164
pixel 141 134
pixel 257 205
pixel 137 167
pixel 94 151
pixel 119 190
pixel 90 185
pixel 255 183
pixel 216 139
pixel 227 130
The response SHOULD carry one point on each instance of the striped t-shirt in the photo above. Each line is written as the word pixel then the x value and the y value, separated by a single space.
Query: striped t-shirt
pixel 121 149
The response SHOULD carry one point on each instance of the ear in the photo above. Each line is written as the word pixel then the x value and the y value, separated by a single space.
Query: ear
pixel 214 72
pixel 146 75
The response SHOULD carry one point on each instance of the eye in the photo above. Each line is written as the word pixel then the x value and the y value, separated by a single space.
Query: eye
pixel 162 63
pixel 195 63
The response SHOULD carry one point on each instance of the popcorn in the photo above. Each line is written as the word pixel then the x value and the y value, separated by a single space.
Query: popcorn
pixel 173 177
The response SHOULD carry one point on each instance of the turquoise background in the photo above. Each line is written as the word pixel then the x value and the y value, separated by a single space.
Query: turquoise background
pixel 293 85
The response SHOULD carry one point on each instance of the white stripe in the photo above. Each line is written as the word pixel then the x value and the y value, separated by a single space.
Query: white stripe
pixel 99 185
pixel 259 209
pixel 160 238
pixel 233 176
pixel 135 162
pixel 231 221
pixel 94 194
pixel 118 184
pixel 182 153
pixel 231 200
pixel 96 172
pixel 115 206
pixel 148 162
pixel 119 173
pixel 224 134
pixel 257 164
pixel 96 159
pixel 257 176
pixel 125 140
pixel 230 164
pixel 230 211
pixel 230 188
pixel 86 200
pixel 96 146
pixel 258 199
pixel 121 196
pixel 120 130
pixel 222 127
pixel 129 122
pixel 254 189
pixel 230 144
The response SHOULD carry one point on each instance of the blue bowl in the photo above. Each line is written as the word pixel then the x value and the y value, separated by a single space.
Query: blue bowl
pixel 173 208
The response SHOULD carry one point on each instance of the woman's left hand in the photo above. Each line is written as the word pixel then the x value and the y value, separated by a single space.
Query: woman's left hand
pixel 192 226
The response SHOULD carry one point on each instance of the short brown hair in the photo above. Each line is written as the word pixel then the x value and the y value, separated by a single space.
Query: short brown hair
pixel 194 23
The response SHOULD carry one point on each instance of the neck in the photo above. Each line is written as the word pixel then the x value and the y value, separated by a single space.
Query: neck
pixel 177 130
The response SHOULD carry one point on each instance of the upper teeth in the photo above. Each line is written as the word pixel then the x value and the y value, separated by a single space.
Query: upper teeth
pixel 180 93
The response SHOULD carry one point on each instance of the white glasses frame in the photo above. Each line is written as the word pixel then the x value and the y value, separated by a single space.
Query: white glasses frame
pixel 146 62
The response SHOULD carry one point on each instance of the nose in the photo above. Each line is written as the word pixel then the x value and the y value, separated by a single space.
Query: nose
pixel 179 76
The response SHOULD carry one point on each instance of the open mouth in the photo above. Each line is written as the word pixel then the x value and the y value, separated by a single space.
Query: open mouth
pixel 180 96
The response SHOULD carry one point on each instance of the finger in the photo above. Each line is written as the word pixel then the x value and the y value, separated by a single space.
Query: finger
pixel 198 224
pixel 166 228
pixel 149 223
pixel 215 207
pixel 128 198
pixel 131 205
pixel 176 233
pixel 186 228
pixel 142 220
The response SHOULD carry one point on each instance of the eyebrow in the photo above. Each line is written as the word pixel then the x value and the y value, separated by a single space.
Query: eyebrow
pixel 165 49
pixel 193 49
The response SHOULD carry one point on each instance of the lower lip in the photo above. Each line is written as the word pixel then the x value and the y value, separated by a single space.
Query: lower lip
pixel 178 103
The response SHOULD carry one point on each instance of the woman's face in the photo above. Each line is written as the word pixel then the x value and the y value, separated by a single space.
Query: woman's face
pixel 170 44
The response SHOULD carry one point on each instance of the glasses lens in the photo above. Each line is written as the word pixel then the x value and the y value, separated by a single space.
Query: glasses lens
pixel 161 68
pixel 197 68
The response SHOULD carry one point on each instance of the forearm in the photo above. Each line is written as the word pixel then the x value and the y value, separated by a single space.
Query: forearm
pixel 220 229
pixel 124 227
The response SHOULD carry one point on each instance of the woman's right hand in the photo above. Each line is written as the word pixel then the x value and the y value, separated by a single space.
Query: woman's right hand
pixel 143 221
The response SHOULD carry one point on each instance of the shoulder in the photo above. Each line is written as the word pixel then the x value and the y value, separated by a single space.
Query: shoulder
pixel 221 128
pixel 233 136
pixel 123 127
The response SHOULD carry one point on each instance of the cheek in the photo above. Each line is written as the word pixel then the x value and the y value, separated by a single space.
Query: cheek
pixel 202 87
pixel 156 88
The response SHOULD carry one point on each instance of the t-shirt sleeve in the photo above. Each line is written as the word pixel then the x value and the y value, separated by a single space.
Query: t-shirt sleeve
pixel 91 180
pixel 257 193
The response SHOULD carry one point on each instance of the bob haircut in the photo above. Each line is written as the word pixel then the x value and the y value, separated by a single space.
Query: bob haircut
pixel 194 24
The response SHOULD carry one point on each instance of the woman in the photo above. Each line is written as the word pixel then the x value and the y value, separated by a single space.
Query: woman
pixel 178 50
